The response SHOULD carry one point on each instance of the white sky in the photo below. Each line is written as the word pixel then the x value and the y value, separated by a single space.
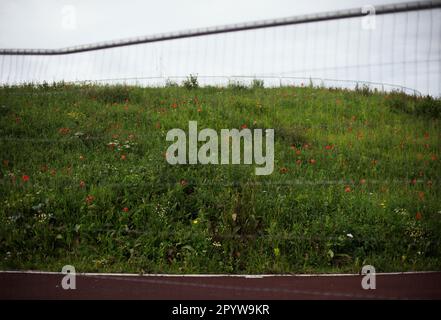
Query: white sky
pixel 40 24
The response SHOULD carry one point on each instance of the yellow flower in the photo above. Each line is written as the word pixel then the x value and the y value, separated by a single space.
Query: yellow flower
pixel 195 221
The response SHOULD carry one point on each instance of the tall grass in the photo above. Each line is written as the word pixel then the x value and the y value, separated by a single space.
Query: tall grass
pixel 84 181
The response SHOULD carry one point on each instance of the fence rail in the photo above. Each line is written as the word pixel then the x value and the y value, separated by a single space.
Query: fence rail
pixel 324 16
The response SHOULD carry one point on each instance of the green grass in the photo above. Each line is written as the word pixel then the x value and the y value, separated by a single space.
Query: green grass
pixel 381 168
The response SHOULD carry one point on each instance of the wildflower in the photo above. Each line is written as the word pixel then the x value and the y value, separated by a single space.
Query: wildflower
pixel 123 157
pixel 89 199
pixel 418 216
pixel 299 162
pixel 82 184
pixel 174 105
pixel 125 209
pixel 362 181
pixel 347 189
pixel 82 157
pixel 312 161
pixel 183 182
pixel 283 170
pixel 25 178
pixel 217 244
pixel 63 131
pixel 195 221
pixel 329 147
pixel 244 126
pixel 421 195
pixel 298 152
pixel 349 235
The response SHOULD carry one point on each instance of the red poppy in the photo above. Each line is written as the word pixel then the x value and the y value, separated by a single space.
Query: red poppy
pixel 329 147
pixel 123 157
pixel 89 199
pixel 25 178
pixel 283 170
pixel 174 105
pixel 125 209
pixel 421 195
pixel 298 152
pixel 347 189
pixel 63 131
pixel 418 216
pixel 82 184
pixel 244 126
pixel 312 161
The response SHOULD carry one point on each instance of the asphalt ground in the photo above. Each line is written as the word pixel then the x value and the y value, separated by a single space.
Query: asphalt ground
pixel 42 285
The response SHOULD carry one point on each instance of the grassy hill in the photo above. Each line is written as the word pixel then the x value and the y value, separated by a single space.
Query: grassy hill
pixel 84 181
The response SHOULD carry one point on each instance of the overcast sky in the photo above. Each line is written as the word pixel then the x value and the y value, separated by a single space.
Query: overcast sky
pixel 43 24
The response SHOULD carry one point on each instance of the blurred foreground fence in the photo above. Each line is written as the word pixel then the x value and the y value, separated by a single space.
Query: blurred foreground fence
pixel 388 47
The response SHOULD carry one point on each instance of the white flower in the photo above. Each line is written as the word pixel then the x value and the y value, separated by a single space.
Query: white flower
pixel 349 235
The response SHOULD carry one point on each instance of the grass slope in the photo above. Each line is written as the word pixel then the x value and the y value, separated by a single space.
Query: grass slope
pixel 84 181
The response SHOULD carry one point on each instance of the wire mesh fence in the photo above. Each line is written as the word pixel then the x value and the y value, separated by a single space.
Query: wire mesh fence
pixel 397 48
